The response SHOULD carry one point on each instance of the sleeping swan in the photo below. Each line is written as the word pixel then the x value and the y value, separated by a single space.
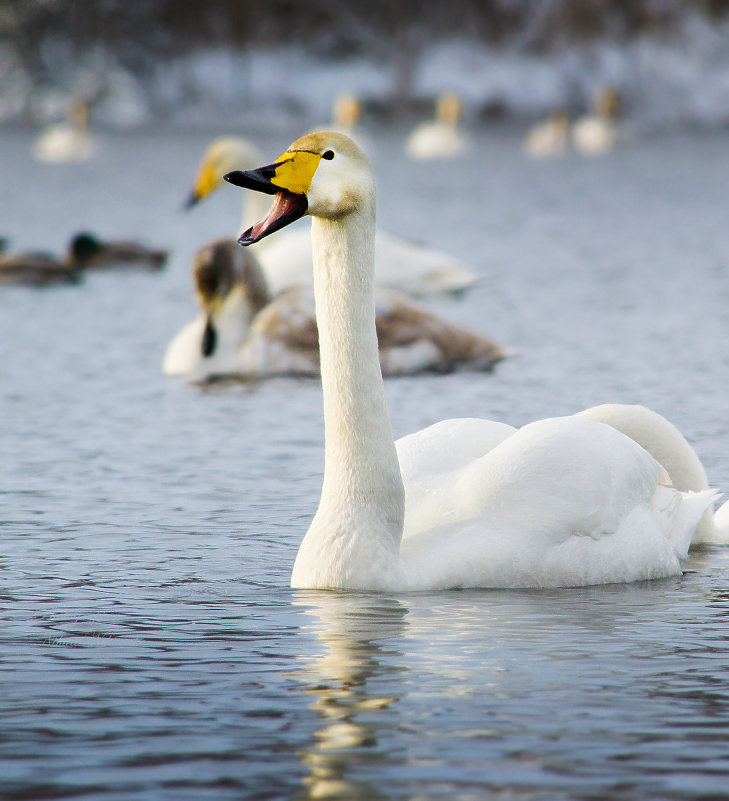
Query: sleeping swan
pixel 465 503
pixel 286 259
pixel 243 332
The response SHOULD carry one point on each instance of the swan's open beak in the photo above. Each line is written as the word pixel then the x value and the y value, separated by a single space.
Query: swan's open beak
pixel 289 179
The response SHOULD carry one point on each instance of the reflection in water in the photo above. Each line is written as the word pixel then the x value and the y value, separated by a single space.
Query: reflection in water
pixel 356 629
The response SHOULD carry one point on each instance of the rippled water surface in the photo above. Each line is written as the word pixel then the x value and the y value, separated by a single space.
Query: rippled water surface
pixel 150 647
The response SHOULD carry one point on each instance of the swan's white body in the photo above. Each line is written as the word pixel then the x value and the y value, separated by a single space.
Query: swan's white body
pixel 548 139
pixel 467 503
pixel 597 133
pixel 66 141
pixel 439 138
pixel 404 266
pixel 286 258
pixel 434 140
pixel 594 136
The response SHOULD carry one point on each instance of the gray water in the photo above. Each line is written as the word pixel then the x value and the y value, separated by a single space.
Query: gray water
pixel 150 647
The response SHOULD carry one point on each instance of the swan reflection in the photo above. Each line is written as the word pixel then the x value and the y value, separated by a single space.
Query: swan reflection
pixel 358 632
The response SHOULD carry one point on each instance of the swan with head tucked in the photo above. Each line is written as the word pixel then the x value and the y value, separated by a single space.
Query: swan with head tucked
pixel 286 259
pixel 465 503
pixel 243 332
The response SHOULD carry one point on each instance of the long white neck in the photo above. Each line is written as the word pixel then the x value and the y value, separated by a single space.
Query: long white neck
pixel 354 539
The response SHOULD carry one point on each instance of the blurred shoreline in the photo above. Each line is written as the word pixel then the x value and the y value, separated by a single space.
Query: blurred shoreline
pixel 668 60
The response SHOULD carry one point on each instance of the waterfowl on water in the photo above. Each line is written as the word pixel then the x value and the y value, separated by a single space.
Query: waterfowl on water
pixel 597 133
pixel 548 139
pixel 89 252
pixel 85 252
pixel 465 503
pixel 36 269
pixel 440 138
pixel 243 331
pixel 286 259
pixel 69 140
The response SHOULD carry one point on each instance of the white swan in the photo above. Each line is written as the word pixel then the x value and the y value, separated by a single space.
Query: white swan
pixel 596 134
pixel 286 259
pixel 465 503
pixel 440 138
pixel 66 141
pixel 245 333
pixel 548 139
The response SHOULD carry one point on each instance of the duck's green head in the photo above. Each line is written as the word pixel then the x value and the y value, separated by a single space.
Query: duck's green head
pixel 84 247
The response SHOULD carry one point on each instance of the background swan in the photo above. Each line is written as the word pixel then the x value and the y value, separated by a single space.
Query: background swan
pixel 548 139
pixel 596 134
pixel 563 501
pixel 286 259
pixel 242 331
pixel 67 141
pixel 440 138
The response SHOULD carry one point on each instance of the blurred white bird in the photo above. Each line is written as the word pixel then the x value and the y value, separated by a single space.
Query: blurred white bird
pixel 440 138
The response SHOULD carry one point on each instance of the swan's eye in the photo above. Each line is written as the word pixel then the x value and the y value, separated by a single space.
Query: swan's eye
pixel 328 155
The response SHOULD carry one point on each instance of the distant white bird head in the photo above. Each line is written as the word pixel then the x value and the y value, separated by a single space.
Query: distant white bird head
pixel 223 155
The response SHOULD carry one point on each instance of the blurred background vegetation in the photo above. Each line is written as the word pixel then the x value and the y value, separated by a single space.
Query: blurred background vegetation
pixel 73 46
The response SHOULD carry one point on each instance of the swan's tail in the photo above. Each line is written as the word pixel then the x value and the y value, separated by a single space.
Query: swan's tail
pixel 686 518
pixel 714 526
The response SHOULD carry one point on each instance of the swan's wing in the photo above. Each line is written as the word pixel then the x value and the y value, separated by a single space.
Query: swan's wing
pixel 430 458
pixel 284 337
pixel 560 502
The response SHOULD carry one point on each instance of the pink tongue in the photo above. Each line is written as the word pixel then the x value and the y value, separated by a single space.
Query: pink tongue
pixel 283 203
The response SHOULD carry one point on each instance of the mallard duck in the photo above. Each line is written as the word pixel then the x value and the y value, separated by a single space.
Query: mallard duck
pixel 243 331
pixel 89 252
pixel 36 269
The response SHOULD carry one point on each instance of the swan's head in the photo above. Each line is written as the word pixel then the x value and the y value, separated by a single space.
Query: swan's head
pixel 220 270
pixel 606 102
pixel 324 174
pixel 346 111
pixel 223 155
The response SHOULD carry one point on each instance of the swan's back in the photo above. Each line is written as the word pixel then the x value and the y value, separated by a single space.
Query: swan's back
pixel 561 502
